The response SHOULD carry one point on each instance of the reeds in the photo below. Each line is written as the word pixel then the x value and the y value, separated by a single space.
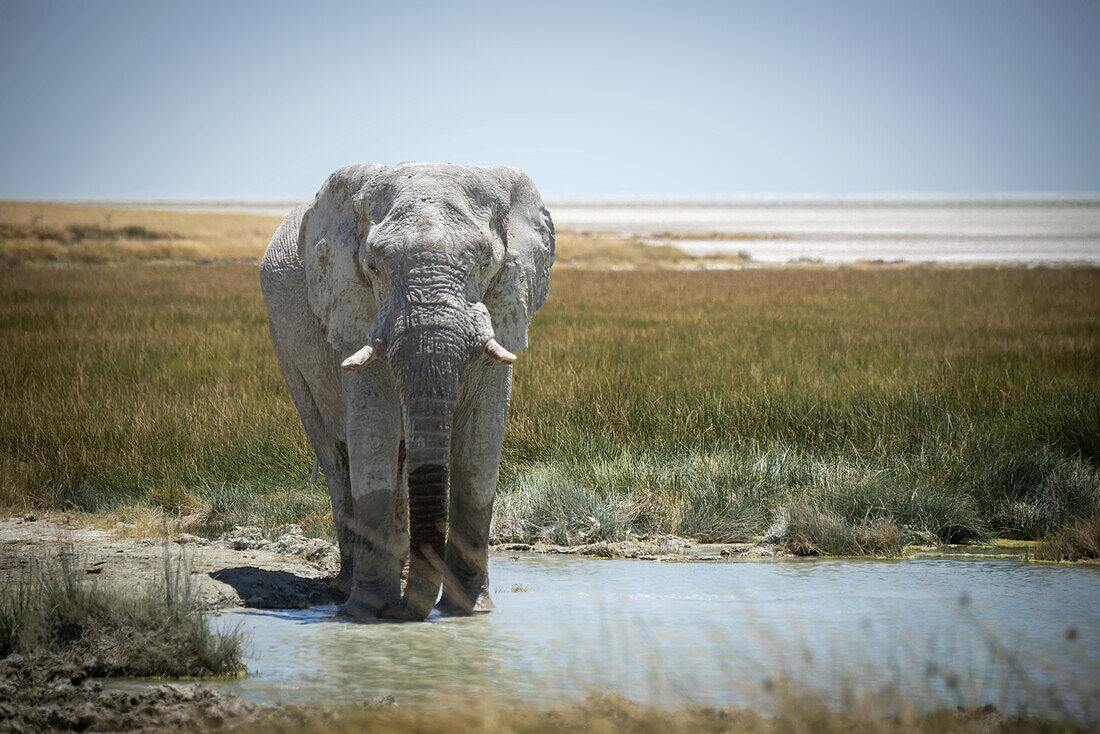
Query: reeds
pixel 56 614
pixel 1075 542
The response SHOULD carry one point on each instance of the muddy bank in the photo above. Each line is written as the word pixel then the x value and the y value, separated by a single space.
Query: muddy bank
pixel 38 696
pixel 673 548
pixel 652 548
pixel 50 686
pixel 240 569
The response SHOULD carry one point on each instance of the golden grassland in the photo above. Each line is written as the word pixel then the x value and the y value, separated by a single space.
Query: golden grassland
pixel 66 233
pixel 49 232
pixel 854 409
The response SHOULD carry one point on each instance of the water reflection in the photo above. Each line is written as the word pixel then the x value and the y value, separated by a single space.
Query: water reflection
pixel 945 632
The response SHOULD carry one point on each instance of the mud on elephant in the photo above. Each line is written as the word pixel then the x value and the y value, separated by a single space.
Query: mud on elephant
pixel 419 281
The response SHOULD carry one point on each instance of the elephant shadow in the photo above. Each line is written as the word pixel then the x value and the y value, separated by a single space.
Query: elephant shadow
pixel 261 588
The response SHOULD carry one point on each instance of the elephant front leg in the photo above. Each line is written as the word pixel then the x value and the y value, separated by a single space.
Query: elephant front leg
pixel 476 449
pixel 333 456
pixel 373 438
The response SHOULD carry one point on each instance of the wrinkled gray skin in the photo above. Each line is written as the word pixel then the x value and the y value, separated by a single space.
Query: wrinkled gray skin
pixel 427 263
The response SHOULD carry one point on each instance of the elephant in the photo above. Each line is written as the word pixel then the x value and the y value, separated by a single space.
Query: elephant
pixel 397 301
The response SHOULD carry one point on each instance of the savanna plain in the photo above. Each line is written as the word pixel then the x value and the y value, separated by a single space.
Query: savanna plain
pixel 855 410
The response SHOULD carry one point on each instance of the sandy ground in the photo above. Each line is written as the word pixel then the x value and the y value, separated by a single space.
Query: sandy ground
pixel 242 569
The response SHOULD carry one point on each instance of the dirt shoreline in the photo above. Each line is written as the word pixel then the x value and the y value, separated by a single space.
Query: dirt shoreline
pixel 243 569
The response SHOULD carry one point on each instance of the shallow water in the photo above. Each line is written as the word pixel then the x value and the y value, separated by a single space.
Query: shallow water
pixel 903 249
pixel 943 632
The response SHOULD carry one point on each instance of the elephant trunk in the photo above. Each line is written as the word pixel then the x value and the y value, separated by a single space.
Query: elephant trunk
pixel 428 385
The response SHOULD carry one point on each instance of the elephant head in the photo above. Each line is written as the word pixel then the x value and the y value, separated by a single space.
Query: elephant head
pixel 426 268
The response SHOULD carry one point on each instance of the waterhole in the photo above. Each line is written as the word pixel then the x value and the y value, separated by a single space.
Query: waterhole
pixel 939 632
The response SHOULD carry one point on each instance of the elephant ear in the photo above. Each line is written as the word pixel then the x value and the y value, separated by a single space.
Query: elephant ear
pixel 522 284
pixel 328 245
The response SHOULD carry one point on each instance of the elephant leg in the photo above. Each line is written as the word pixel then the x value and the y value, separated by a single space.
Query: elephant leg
pixel 333 457
pixel 401 514
pixel 476 444
pixel 373 436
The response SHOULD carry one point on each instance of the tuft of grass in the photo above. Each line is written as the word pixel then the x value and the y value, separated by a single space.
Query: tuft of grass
pixel 222 507
pixel 811 531
pixel 54 612
pixel 1075 542
pixel 549 507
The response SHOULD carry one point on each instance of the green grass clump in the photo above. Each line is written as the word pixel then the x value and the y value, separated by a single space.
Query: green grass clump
pixel 811 531
pixel 55 613
pixel 225 506
pixel 734 495
pixel 1075 542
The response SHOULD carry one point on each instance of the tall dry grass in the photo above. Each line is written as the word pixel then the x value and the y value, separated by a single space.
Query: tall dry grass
pixel 49 232
pixel 56 616
pixel 954 403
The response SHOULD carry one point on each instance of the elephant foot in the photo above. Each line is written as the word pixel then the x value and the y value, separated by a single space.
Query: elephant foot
pixel 459 605
pixel 341 585
pixel 360 611
pixel 403 612
pixel 369 603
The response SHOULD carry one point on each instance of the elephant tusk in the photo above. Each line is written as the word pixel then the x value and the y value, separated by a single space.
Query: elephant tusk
pixel 498 353
pixel 360 358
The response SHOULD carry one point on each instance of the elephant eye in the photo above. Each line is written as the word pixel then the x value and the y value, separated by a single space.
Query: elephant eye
pixel 372 266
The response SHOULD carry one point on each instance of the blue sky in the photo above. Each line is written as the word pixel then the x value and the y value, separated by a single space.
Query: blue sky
pixel 594 100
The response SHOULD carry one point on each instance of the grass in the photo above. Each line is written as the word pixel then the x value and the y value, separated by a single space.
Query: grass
pixel 61 233
pixel 808 530
pixel 604 251
pixel 959 404
pixel 55 616
pixel 601 713
pixel 1076 542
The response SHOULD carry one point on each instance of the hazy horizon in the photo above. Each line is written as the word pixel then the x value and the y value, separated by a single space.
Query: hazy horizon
pixel 1007 198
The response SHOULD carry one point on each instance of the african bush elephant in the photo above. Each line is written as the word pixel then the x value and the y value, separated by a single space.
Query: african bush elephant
pixel 419 280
